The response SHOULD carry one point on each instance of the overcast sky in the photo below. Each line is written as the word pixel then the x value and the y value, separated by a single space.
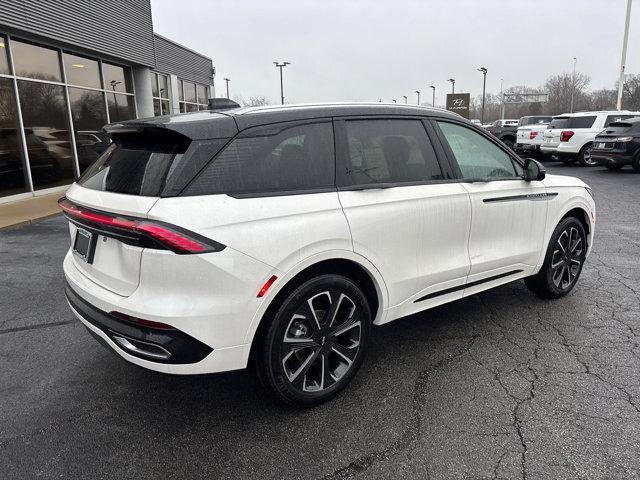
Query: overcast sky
pixel 366 50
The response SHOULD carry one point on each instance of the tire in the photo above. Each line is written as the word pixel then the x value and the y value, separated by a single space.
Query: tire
pixel 584 157
pixel 315 342
pixel 636 163
pixel 509 142
pixel 614 167
pixel 551 281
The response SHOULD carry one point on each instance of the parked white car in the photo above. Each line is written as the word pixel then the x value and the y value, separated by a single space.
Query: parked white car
pixel 570 136
pixel 529 134
pixel 277 237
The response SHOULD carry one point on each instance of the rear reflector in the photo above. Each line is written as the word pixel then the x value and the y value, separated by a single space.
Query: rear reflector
pixel 141 232
pixel 266 286
pixel 141 321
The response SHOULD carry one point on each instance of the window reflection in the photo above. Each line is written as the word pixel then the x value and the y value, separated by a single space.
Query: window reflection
pixel 190 92
pixel 202 94
pixel 116 79
pixel 13 177
pixel 4 60
pixel 89 115
pixel 121 107
pixel 44 115
pixel 36 62
pixel 81 71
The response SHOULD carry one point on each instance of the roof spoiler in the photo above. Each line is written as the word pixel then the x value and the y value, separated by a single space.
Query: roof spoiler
pixel 222 104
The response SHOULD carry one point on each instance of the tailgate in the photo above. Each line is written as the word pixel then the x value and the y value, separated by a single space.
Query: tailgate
pixel 115 265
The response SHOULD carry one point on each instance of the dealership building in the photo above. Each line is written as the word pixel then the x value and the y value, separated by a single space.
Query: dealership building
pixel 69 67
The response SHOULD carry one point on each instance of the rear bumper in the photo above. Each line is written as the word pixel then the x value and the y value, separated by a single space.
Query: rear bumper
pixel 604 157
pixel 526 147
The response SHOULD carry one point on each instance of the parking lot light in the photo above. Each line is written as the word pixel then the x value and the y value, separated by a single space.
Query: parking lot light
pixel 453 84
pixel 281 65
pixel 484 85
pixel 418 92
pixel 433 100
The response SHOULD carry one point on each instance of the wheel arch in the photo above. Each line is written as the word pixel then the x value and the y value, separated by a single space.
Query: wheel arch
pixel 346 263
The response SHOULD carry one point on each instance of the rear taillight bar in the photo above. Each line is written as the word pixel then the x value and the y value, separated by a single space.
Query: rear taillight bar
pixel 565 135
pixel 533 135
pixel 139 231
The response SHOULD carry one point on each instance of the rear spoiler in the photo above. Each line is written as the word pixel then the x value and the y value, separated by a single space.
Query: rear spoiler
pixel 222 104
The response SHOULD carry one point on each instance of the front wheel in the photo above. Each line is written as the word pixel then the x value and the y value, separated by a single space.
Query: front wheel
pixel 315 342
pixel 563 262
pixel 585 158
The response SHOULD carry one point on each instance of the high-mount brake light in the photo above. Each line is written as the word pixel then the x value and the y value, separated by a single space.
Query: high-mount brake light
pixel 565 135
pixel 168 236
pixel 533 135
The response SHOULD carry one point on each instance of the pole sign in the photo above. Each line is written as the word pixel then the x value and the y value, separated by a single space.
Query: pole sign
pixel 459 103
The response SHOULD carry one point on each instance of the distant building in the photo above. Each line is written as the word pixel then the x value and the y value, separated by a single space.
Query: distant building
pixel 69 67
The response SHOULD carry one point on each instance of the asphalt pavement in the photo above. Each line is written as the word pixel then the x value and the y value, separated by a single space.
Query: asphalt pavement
pixel 497 385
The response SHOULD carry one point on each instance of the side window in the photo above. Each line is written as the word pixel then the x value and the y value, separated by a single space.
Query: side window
pixel 279 157
pixel 477 156
pixel 389 151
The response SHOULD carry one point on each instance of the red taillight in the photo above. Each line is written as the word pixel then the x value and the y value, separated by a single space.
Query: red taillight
pixel 565 135
pixel 533 135
pixel 141 321
pixel 266 286
pixel 171 237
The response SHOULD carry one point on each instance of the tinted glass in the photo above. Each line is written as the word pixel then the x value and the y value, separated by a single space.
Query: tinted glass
pixel 580 122
pixel 154 85
pixel 156 107
pixel 202 94
pixel 476 155
pixel 134 168
pixel 524 121
pixel 616 118
pixel 44 114
pixel 165 107
pixel 13 177
pixel 163 85
pixel 121 107
pixel 4 59
pixel 81 71
pixel 190 92
pixel 180 90
pixel 89 115
pixel 116 79
pixel 36 62
pixel 558 122
pixel 389 151
pixel 271 159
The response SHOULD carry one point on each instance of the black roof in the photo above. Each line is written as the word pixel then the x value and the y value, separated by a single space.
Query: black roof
pixel 224 124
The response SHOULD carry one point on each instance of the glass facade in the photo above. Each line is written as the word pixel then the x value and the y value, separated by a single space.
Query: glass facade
pixel 53 105
pixel 193 96
pixel 161 94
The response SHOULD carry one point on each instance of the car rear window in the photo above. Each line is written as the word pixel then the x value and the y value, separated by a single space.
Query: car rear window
pixel 558 122
pixel 524 121
pixel 136 164
pixel 580 122
pixel 616 118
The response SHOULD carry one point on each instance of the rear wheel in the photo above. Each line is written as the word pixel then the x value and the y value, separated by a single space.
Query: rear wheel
pixel 563 262
pixel 315 342
pixel 585 158
pixel 509 142
pixel 636 163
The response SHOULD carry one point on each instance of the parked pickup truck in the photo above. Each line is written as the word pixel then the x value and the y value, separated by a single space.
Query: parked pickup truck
pixel 529 134
pixel 505 130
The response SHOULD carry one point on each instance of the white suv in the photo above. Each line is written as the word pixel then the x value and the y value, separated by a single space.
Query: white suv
pixel 277 236
pixel 570 135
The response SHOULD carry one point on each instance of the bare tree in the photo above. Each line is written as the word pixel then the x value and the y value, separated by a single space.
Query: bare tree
pixel 560 87
pixel 253 101
pixel 631 93
pixel 604 99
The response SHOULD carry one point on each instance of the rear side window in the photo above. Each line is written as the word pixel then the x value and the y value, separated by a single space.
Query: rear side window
pixel 477 156
pixel 558 122
pixel 580 122
pixel 135 165
pixel 389 151
pixel 616 118
pixel 275 158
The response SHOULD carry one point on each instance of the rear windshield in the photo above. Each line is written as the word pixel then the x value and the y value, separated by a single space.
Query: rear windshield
pixel 616 118
pixel 581 122
pixel 135 166
pixel 558 122
pixel 524 121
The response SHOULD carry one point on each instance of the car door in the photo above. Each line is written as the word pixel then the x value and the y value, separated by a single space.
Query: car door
pixel 406 213
pixel 508 213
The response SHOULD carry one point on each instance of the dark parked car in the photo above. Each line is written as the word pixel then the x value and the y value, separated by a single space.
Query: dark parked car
pixel 618 145
pixel 505 131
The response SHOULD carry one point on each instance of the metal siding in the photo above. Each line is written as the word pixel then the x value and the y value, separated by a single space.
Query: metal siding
pixel 122 29
pixel 175 59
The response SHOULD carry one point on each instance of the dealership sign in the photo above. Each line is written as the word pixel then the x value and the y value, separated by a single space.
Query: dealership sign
pixel 459 103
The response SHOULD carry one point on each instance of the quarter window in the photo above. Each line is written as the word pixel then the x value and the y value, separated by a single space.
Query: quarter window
pixel 389 151
pixel 477 156
pixel 275 158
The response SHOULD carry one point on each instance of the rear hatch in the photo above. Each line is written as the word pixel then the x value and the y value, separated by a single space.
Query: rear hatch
pixel 606 140
pixel 551 136
pixel 111 199
pixel 523 135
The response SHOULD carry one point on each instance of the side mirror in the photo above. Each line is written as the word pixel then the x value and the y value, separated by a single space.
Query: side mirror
pixel 533 170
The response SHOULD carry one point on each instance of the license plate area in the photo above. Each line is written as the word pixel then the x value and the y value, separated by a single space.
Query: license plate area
pixel 84 245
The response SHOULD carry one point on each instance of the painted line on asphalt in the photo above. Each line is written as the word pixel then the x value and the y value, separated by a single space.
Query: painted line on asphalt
pixel 35 327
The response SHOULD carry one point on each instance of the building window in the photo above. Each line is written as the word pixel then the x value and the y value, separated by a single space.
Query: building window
pixel 32 61
pixel 13 179
pixel 119 88
pixel 4 60
pixel 193 96
pixel 89 115
pixel 160 91
pixel 81 71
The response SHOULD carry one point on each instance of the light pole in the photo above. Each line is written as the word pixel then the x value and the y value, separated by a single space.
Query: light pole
pixel 624 56
pixel 453 84
pixel 573 83
pixel 501 99
pixel 281 66
pixel 227 80
pixel 484 85
pixel 418 92
pixel 433 100
pixel 405 98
